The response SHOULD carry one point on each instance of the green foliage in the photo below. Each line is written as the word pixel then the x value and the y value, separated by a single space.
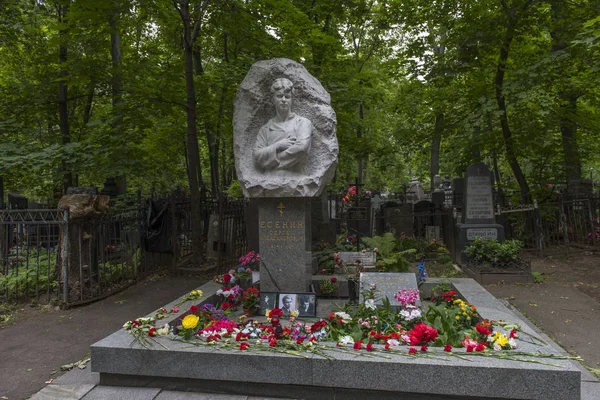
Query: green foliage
pixel 538 277
pixel 26 277
pixel 386 243
pixel 443 319
pixel 493 252
pixel 235 190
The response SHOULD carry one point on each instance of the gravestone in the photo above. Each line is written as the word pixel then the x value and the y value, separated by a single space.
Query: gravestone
pixel 424 213
pixel 387 284
pixel 284 240
pixel 399 220
pixel 415 191
pixel 478 208
pixel 285 153
pixel 367 259
pixel 458 191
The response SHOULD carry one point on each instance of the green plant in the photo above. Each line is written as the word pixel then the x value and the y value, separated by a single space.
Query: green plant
pixel 538 277
pixel 328 286
pixel 493 252
pixel 444 259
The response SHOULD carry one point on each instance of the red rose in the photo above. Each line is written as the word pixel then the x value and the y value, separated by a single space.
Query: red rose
pixel 244 345
pixel 331 316
pixel 194 309
pixel 448 348
pixel 424 348
pixel 152 332
pixel 226 278
pixel 300 341
pixel 387 346
pixel 225 306
pixel 334 279
pixel 358 345
pixel 480 347
pixel 412 350
pixel 470 349
pixel 512 334
pixel 273 342
pixel 369 347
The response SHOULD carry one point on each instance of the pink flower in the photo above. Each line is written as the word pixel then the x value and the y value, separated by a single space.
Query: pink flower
pixel 468 342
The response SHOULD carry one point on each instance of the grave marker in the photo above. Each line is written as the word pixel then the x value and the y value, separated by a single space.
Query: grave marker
pixel 388 284
pixel 478 208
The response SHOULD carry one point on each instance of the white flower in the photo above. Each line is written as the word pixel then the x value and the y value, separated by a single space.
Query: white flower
pixel 393 342
pixel 346 340
pixel 497 347
pixel 490 338
pixel 370 303
pixel 226 293
pixel 513 343
pixel 219 292
pixel 346 318
pixel 406 338
pixel 245 331
pixel 253 335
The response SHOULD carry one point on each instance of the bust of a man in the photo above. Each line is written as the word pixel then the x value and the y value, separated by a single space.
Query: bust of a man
pixel 283 143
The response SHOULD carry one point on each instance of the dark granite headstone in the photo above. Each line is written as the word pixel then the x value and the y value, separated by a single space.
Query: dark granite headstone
pixel 458 191
pixel 424 213
pixel 388 284
pixel 17 201
pixel 399 220
pixel 284 235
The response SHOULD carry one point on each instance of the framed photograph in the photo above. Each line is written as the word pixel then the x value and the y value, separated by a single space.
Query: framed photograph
pixel 268 301
pixel 307 304
pixel 288 302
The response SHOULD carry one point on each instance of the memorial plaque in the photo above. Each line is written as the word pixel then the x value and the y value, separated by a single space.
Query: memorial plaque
pixel 483 233
pixel 388 284
pixel 357 214
pixel 350 257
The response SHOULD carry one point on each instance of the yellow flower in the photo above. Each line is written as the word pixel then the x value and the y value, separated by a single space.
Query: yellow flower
pixel 468 318
pixel 190 321
pixel 502 340
pixel 458 317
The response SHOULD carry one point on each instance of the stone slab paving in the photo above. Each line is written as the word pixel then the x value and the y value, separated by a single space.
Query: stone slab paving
pixel 121 393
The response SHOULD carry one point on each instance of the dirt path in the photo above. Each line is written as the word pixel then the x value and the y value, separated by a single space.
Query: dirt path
pixel 566 305
pixel 41 341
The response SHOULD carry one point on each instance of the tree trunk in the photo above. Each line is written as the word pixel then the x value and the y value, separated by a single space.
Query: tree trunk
pixel 117 82
pixel 568 130
pixel 195 171
pixel 63 110
pixel 435 147
pixel 567 97
pixel 359 134
pixel 506 132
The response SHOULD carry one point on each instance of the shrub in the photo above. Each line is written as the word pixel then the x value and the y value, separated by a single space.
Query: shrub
pixel 492 252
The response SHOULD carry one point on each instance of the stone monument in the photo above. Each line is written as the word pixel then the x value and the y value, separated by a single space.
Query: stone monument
pixel 478 211
pixel 285 153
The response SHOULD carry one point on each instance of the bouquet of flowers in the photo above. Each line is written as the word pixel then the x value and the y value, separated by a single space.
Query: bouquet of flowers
pixel 252 258
pixel 250 299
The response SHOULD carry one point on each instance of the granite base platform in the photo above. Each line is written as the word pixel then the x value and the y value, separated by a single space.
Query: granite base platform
pixel 181 366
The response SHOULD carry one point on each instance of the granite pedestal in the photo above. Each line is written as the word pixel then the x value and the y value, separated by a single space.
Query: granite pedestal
pixel 352 374
pixel 284 230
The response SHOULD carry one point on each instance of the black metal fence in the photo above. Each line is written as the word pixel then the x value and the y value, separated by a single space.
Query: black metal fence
pixel 47 257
